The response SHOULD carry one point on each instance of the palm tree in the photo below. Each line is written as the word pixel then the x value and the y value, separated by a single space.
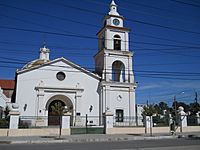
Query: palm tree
pixel 58 109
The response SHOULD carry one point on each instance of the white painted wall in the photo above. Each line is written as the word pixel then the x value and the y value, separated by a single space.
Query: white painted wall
pixel 3 99
pixel 28 81
pixel 119 98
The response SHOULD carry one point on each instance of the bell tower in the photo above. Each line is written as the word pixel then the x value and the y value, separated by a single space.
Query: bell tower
pixel 113 63
pixel 113 45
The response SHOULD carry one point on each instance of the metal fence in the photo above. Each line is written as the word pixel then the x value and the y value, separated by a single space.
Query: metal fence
pixel 161 121
pixel 193 121
pixel 82 121
pixel 4 123
pixel 55 121
pixel 34 122
pixel 127 121
pixel 95 121
pixel 158 121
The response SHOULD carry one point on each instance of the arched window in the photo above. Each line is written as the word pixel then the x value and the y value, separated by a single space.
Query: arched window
pixel 117 42
pixel 118 71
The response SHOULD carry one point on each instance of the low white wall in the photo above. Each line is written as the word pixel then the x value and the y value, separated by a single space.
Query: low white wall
pixel 125 130
pixel 33 132
pixel 116 130
pixel 141 130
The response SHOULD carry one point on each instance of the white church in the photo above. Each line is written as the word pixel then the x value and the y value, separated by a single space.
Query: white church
pixel 110 88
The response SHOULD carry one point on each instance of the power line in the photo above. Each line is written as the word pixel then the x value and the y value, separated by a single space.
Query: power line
pixel 83 36
pixel 48 15
pixel 155 8
pixel 99 13
pixel 128 19
pixel 142 12
pixel 185 3
pixel 153 74
pixel 44 14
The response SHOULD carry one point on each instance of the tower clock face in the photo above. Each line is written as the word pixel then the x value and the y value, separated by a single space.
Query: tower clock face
pixel 116 22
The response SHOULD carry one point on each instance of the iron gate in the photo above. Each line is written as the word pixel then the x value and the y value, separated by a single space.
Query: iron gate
pixel 88 125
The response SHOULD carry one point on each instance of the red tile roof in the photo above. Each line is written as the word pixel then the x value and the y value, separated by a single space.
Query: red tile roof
pixel 7 84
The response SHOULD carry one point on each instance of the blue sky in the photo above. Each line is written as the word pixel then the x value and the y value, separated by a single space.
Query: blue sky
pixel 165 39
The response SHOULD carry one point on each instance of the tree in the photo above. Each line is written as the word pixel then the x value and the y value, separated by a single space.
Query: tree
pixel 149 110
pixel 163 106
pixel 178 104
pixel 194 108
pixel 58 109
pixel 6 112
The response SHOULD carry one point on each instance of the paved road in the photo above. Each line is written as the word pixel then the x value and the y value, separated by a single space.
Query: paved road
pixel 172 144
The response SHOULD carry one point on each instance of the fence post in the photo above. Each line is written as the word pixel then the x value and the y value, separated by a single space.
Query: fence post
pixel 108 124
pixel 197 118
pixel 14 117
pixel 66 121
pixel 148 124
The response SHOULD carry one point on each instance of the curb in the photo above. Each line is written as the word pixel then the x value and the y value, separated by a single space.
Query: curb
pixel 89 140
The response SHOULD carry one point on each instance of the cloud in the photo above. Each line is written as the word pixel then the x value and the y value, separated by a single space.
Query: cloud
pixel 148 87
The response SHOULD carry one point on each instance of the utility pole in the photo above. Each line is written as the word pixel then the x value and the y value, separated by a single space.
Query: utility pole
pixel 175 111
pixel 196 102
pixel 196 98
pixel 175 106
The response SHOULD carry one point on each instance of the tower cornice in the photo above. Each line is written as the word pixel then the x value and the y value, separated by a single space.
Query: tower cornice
pixel 108 16
pixel 114 52
pixel 113 27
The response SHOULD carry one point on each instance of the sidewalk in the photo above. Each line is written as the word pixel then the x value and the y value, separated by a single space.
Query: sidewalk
pixel 91 138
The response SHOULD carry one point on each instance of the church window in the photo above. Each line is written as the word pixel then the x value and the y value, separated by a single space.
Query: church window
pixel 118 71
pixel 119 115
pixel 117 42
pixel 60 76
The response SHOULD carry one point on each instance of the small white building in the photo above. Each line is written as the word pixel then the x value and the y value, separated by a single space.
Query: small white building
pixel 44 82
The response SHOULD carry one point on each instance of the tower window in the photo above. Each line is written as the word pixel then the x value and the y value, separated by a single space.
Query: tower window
pixel 118 71
pixel 117 42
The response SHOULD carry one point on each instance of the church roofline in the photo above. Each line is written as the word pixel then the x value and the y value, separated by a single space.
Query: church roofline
pixel 60 59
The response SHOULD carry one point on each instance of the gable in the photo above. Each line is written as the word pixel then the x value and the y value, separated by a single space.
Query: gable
pixel 63 64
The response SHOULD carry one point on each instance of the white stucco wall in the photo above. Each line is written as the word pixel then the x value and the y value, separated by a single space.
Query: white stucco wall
pixel 3 99
pixel 116 96
pixel 28 81
pixel 2 102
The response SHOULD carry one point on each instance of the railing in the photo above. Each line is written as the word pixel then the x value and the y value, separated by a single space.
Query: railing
pixel 82 121
pixel 127 121
pixel 4 123
pixel 55 121
pixel 193 121
pixel 161 121
pixel 37 121
pixel 158 121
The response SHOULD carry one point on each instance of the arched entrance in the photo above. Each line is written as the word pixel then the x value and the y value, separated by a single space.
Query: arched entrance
pixel 53 117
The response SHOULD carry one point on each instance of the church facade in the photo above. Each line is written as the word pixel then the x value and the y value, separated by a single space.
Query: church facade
pixel 43 82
